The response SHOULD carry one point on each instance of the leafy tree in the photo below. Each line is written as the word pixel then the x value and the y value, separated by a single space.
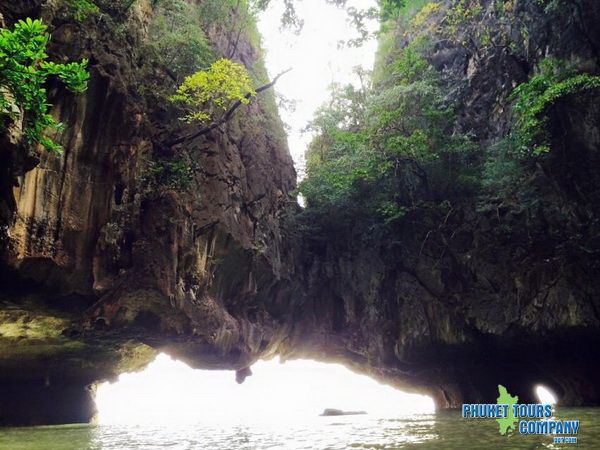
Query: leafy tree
pixel 345 175
pixel 379 148
pixel 207 94
pixel 212 96
pixel 24 70
pixel 177 47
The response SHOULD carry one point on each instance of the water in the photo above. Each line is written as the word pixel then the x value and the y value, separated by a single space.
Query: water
pixel 445 430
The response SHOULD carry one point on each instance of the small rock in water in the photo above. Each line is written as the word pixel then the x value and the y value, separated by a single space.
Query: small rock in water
pixel 339 412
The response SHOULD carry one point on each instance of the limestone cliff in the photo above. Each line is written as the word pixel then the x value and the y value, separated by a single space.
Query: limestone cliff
pixel 494 285
pixel 101 257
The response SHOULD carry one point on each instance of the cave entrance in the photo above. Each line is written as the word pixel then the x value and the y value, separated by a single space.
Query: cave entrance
pixel 169 391
pixel 545 395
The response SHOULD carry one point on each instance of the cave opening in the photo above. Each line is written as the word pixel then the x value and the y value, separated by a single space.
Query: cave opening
pixel 545 395
pixel 170 392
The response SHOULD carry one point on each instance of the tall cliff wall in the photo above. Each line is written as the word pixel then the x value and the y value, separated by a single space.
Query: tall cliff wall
pixel 103 257
pixel 485 285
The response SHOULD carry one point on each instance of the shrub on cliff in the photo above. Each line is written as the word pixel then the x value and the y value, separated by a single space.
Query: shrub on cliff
pixel 510 161
pixel 176 47
pixel 24 70
pixel 208 93
pixel 82 9
pixel 533 99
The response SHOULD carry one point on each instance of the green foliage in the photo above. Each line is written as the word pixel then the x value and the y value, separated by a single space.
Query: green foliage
pixel 82 9
pixel 427 10
pixel 389 9
pixel 510 161
pixel 461 15
pixel 502 171
pixel 412 117
pixel 220 12
pixel 551 6
pixel 402 11
pixel 337 164
pixel 533 99
pixel 411 67
pixel 173 173
pixel 376 146
pixel 208 93
pixel 24 70
pixel 340 162
pixel 177 45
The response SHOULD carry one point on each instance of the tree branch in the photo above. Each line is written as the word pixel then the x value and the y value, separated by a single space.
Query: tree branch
pixel 227 116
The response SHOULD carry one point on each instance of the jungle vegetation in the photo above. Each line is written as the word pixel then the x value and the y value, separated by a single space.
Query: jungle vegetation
pixel 384 148
pixel 24 72
pixel 391 147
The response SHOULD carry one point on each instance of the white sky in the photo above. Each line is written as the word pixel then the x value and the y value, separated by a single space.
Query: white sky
pixel 315 59
pixel 169 392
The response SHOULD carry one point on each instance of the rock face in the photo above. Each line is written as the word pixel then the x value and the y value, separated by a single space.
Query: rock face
pixel 501 291
pixel 100 269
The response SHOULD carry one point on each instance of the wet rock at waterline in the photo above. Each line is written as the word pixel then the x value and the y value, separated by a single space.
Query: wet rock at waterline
pixel 327 412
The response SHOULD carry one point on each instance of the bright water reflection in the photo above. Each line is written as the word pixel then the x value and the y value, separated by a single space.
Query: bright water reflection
pixel 423 431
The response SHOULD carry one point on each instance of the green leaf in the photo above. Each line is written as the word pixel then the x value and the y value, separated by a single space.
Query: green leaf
pixel 24 72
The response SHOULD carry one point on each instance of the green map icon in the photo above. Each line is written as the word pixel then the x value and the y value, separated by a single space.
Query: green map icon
pixel 510 421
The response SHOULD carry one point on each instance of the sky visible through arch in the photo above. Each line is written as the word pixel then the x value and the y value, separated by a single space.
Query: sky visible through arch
pixel 315 59
pixel 169 392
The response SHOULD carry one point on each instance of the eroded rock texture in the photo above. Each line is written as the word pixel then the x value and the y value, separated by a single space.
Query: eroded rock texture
pixel 101 269
pixel 491 290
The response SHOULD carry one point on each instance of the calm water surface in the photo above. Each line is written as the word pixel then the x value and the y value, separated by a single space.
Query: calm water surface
pixel 441 430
